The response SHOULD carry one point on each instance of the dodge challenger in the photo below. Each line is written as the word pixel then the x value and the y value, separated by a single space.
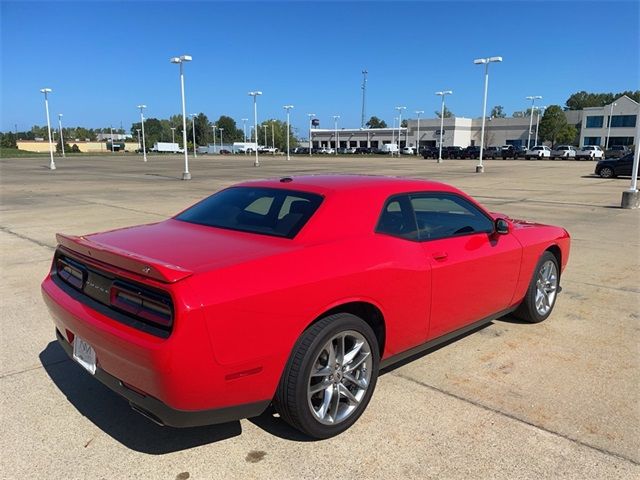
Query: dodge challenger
pixel 292 292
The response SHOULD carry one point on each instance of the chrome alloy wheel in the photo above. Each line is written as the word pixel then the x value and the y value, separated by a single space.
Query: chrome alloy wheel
pixel 340 377
pixel 546 287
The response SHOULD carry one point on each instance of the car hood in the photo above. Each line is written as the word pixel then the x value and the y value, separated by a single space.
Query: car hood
pixel 193 247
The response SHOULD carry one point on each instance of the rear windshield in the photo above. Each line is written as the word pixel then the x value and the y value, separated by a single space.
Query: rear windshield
pixel 266 211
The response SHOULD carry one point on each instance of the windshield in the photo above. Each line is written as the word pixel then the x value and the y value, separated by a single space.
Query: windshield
pixel 266 211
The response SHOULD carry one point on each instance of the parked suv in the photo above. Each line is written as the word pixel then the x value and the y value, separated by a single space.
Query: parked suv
pixel 614 167
pixel 590 152
pixel 429 152
pixel 563 151
pixel 617 151
pixel 539 151
pixel 492 152
pixel 511 151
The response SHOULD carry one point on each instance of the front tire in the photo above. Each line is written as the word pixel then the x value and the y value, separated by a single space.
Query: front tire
pixel 607 172
pixel 541 295
pixel 330 376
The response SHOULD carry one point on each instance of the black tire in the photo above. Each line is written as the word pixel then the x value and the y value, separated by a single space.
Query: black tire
pixel 527 310
pixel 607 172
pixel 291 400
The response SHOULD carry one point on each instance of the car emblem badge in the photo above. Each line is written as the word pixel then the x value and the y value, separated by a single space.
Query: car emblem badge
pixel 146 269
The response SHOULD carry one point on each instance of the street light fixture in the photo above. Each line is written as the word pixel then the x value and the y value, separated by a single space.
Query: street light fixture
pixel 606 145
pixel 144 146
pixel 485 62
pixel 255 94
pixel 310 115
pixel 61 135
pixel 443 94
pixel 181 60
pixel 540 112
pixel 400 125
pixel 244 129
pixel 335 127
pixel 47 91
pixel 193 125
pixel 418 113
pixel 287 108
pixel 533 99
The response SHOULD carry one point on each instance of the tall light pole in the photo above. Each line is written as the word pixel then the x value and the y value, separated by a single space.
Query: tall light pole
pixel 310 115
pixel 533 99
pixel 400 125
pixel 111 130
pixel 364 93
pixel 287 108
pixel 173 134
pixel 144 146
pixel 606 145
pixel 244 129
pixel 418 113
pixel 540 111
pixel 221 130
pixel 47 91
pixel 193 126
pixel 631 197
pixel 256 163
pixel 335 128
pixel 181 61
pixel 139 144
pixel 266 141
pixel 214 126
pixel 443 94
pixel 61 135
pixel 393 130
pixel 273 137
pixel 485 62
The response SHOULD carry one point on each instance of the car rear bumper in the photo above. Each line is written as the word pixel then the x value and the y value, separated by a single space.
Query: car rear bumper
pixel 162 414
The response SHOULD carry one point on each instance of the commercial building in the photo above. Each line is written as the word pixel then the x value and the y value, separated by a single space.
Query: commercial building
pixel 591 123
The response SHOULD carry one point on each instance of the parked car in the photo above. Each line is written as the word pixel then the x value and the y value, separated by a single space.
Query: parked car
pixel 301 150
pixel 389 148
pixel 293 292
pixel 539 151
pixel 589 152
pixel 615 167
pixel 470 152
pixel 408 151
pixel 563 151
pixel 511 151
pixel 452 152
pixel 492 153
pixel 429 152
pixel 362 150
pixel 326 151
pixel 617 151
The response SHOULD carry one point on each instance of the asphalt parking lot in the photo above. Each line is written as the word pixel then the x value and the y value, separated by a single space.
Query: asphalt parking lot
pixel 512 400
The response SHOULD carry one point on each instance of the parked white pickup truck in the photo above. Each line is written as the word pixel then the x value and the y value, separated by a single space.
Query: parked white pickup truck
pixel 563 151
pixel 590 152
pixel 539 151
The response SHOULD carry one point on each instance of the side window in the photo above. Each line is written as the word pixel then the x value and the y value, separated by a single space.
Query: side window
pixel 397 219
pixel 446 215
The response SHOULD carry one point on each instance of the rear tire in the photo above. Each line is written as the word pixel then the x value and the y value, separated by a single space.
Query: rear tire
pixel 330 376
pixel 542 293
pixel 607 172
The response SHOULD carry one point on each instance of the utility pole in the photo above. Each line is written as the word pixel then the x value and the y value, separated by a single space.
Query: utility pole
pixel 364 96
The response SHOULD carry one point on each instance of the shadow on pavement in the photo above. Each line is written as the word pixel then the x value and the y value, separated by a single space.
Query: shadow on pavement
pixel 112 414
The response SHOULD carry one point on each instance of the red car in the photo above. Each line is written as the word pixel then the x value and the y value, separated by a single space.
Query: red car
pixel 292 291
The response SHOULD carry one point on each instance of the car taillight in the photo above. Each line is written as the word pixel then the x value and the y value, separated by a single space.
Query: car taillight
pixel 141 303
pixel 70 272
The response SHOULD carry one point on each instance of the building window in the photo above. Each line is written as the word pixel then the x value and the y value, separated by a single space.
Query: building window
pixel 623 121
pixel 515 143
pixel 621 141
pixel 592 140
pixel 354 143
pixel 595 121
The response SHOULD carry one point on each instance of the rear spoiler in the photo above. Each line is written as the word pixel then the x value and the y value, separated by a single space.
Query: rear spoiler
pixel 129 261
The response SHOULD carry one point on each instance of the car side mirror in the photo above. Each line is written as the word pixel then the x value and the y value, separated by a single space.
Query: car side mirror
pixel 502 226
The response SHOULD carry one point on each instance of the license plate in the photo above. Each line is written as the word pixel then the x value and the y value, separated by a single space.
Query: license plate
pixel 84 354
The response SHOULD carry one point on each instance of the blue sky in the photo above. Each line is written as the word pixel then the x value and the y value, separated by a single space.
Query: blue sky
pixel 103 58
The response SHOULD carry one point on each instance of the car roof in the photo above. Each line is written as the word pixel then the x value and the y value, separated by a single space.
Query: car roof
pixel 325 184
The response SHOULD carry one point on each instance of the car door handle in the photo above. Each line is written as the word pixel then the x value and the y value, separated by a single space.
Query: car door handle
pixel 440 255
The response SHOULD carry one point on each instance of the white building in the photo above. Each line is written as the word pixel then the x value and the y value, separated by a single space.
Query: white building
pixel 622 115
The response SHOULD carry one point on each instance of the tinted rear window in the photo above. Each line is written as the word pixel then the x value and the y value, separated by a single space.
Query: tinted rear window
pixel 266 211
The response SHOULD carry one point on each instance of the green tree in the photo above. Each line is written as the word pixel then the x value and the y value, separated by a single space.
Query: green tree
pixel 67 148
pixel 582 99
pixel 8 140
pixel 554 127
pixel 230 132
pixel 375 122
pixel 276 134
pixel 498 112
pixel 447 113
